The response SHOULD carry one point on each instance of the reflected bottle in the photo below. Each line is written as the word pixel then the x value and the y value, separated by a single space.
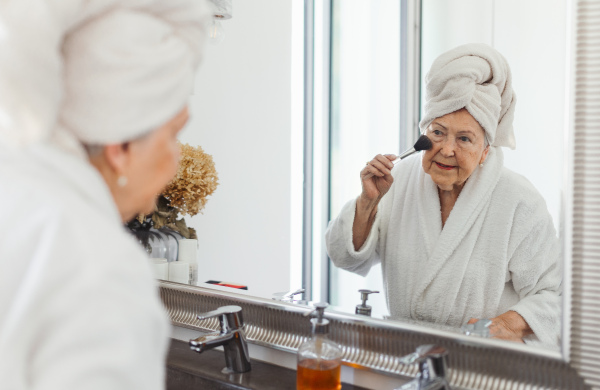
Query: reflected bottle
pixel 319 359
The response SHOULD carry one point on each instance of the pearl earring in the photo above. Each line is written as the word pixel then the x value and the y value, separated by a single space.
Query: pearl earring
pixel 122 181
pixel 481 165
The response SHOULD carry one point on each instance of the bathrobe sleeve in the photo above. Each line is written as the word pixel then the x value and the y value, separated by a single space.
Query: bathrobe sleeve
pixel 340 248
pixel 536 272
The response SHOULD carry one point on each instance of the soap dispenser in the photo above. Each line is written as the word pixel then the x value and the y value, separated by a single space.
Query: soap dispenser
pixel 319 359
pixel 363 308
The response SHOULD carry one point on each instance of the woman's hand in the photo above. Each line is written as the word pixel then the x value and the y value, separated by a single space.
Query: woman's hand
pixel 508 326
pixel 376 177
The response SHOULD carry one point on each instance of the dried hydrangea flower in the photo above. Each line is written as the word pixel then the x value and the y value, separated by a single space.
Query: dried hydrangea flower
pixel 196 179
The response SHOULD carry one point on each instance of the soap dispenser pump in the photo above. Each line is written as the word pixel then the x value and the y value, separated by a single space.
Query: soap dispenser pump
pixel 319 359
pixel 363 308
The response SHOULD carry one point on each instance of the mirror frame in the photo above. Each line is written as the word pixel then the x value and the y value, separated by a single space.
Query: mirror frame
pixel 474 363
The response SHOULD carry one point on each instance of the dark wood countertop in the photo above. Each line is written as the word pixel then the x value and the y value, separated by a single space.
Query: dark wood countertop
pixel 188 370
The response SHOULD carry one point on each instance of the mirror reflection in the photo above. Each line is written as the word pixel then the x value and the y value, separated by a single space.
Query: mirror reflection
pixel 459 236
pixel 538 155
pixel 451 241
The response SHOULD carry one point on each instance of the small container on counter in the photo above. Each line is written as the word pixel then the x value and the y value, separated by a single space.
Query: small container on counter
pixel 319 359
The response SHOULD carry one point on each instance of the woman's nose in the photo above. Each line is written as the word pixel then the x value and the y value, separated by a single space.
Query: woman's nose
pixel 447 148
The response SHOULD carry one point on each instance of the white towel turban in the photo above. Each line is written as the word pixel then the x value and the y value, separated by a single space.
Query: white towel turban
pixel 101 71
pixel 476 77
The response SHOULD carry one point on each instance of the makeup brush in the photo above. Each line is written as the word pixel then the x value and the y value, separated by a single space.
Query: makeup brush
pixel 423 143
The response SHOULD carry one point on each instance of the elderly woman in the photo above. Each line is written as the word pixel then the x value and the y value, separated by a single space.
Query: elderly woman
pixel 80 308
pixel 459 236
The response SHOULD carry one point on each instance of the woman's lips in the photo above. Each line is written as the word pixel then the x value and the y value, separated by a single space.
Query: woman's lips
pixel 445 167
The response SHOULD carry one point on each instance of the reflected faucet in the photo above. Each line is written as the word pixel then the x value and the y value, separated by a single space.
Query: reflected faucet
pixel 288 296
pixel 432 368
pixel 231 337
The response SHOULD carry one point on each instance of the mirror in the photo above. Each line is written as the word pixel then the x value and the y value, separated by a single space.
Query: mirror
pixel 508 27
pixel 241 114
pixel 247 113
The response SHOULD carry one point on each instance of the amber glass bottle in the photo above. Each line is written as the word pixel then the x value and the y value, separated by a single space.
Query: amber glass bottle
pixel 319 359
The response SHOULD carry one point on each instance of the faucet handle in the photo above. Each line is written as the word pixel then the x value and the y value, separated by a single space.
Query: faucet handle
pixel 287 295
pixel 230 317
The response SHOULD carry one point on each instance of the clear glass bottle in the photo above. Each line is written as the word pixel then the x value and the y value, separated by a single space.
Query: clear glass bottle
pixel 319 359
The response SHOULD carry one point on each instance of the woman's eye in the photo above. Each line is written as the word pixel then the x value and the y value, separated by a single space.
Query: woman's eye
pixel 464 139
pixel 437 132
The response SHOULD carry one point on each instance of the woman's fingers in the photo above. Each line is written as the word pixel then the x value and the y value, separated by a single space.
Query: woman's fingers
pixel 510 326
pixel 377 177
pixel 379 166
pixel 391 157
pixel 383 161
pixel 372 170
pixel 499 329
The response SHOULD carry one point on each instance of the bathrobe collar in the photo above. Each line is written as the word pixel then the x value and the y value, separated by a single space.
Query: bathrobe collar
pixel 468 211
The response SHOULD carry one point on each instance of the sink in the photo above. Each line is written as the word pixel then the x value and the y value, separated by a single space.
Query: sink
pixel 188 370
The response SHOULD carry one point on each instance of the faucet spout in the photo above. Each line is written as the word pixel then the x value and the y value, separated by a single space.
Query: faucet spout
pixel 231 337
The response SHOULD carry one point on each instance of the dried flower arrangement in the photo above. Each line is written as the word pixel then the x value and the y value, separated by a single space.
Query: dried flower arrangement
pixel 186 194
pixel 195 180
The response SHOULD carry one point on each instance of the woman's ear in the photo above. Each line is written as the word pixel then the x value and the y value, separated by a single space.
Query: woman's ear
pixel 118 157
pixel 485 153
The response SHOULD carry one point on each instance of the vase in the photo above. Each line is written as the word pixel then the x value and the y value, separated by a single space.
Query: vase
pixel 160 243
pixel 164 243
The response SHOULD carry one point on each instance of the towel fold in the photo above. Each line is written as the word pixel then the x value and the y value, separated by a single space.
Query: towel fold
pixel 102 72
pixel 476 77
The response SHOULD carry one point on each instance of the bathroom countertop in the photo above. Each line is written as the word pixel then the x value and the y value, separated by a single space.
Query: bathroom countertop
pixel 189 370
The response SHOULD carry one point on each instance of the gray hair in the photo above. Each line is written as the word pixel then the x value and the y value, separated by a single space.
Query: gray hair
pixel 94 150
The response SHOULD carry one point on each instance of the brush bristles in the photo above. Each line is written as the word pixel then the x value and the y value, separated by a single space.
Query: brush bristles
pixel 423 143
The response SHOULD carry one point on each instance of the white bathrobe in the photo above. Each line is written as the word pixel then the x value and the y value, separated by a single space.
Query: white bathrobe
pixel 79 308
pixel 498 250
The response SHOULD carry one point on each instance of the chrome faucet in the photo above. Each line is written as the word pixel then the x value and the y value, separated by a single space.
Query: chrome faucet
pixel 432 368
pixel 288 296
pixel 231 337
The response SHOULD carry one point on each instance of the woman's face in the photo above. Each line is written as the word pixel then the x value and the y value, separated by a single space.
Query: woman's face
pixel 153 163
pixel 458 148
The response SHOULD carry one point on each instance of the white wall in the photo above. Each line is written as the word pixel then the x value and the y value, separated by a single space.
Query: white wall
pixel 240 114
pixel 531 34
